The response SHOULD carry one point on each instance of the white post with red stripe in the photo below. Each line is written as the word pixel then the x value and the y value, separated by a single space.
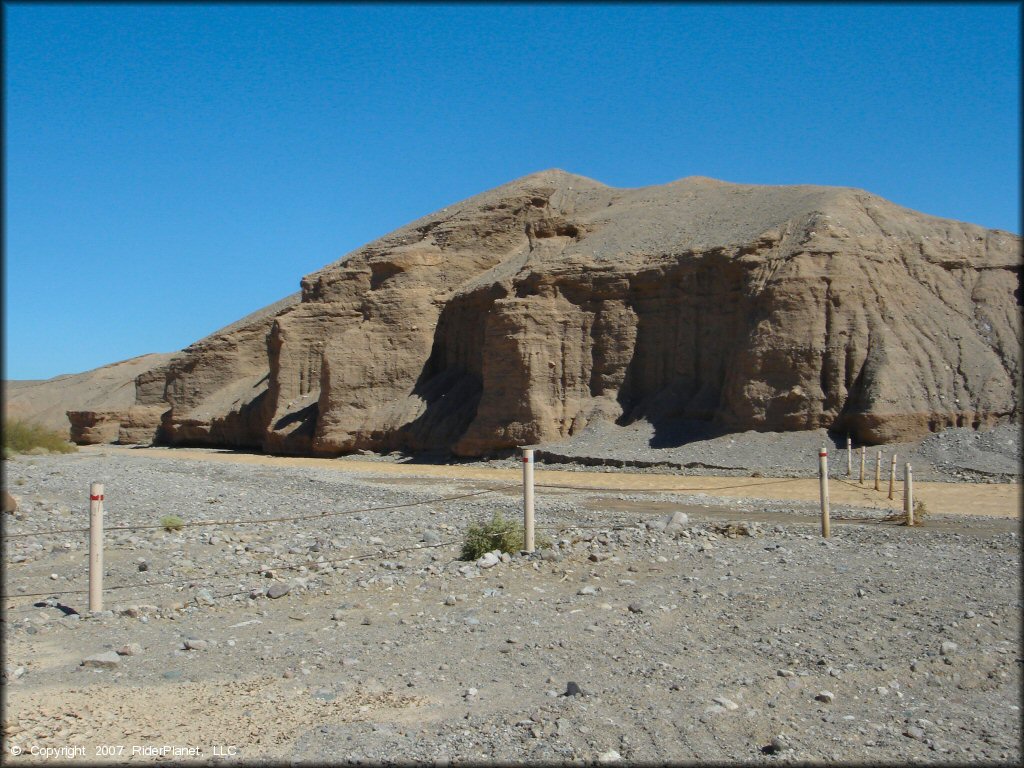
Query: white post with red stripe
pixel 96 547
pixel 823 477
pixel 908 493
pixel 528 499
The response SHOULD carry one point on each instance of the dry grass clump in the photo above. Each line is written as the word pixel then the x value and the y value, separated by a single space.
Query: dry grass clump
pixel 26 437
pixel 920 511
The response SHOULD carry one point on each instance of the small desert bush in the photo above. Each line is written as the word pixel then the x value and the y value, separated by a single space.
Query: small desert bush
pixel 26 437
pixel 501 534
pixel 172 523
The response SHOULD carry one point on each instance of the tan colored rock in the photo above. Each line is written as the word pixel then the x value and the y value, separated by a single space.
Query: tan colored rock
pixel 10 503
pixel 134 425
pixel 94 427
pixel 771 308
pixel 140 424
pixel 217 387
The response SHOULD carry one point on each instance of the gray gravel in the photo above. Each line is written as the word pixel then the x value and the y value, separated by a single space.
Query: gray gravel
pixel 729 633
pixel 949 456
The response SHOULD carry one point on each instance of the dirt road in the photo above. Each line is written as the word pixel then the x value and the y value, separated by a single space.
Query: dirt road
pixel 984 499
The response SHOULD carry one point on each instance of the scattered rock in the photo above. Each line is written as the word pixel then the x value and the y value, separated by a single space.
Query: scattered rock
pixel 826 696
pixel 131 649
pixel 948 648
pixel 488 560
pixel 431 537
pixel 105 660
pixel 678 518
pixel 278 589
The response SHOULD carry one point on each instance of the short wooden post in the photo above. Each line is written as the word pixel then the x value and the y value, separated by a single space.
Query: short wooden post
pixel 823 479
pixel 862 451
pixel 528 499
pixel 96 547
pixel 908 493
pixel 849 457
pixel 892 477
pixel 878 471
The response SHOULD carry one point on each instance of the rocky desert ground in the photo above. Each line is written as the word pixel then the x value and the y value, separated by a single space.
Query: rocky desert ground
pixel 676 618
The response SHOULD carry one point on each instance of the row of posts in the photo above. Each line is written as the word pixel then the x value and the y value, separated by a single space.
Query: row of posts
pixel 96 530
pixel 908 482
pixel 908 488
pixel 96 510
pixel 878 467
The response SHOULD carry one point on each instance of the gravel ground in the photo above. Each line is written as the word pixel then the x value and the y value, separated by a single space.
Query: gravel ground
pixel 634 638
pixel 951 455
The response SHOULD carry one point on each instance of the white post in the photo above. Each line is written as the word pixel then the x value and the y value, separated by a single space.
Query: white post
pixel 908 493
pixel 892 477
pixel 528 499
pixel 878 471
pixel 96 547
pixel 849 457
pixel 862 465
pixel 823 476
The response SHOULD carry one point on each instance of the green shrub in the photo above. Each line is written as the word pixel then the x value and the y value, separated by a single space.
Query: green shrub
pixel 172 523
pixel 499 533
pixel 26 437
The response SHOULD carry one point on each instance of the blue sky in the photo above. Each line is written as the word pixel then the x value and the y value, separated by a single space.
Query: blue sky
pixel 170 169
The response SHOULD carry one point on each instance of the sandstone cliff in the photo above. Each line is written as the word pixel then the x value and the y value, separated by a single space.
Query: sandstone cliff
pixel 523 314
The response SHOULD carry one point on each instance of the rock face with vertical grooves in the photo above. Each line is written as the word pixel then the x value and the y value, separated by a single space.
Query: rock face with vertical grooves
pixel 524 313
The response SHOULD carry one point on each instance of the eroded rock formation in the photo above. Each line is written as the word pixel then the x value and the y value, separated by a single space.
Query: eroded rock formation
pixel 524 313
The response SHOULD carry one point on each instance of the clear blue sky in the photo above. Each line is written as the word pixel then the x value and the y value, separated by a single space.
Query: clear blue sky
pixel 170 169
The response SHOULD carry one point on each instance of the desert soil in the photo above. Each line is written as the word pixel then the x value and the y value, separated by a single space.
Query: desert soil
pixel 735 634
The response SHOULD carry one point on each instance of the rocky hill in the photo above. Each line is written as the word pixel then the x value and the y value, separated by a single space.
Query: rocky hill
pixel 523 314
